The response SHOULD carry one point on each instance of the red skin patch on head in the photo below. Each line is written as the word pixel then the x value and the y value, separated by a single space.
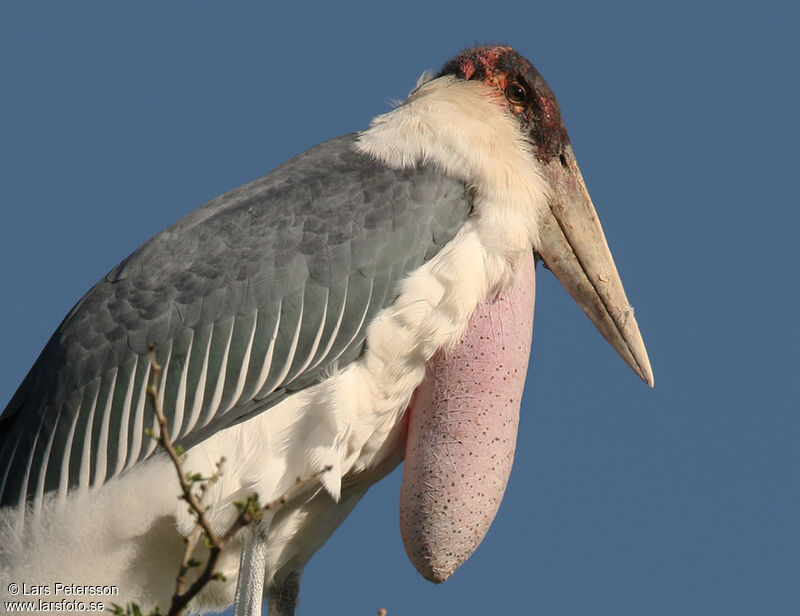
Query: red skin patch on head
pixel 492 57
pixel 489 57
pixel 547 108
pixel 468 68
pixel 494 78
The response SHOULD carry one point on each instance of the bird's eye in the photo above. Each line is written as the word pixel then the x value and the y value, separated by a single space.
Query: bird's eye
pixel 515 93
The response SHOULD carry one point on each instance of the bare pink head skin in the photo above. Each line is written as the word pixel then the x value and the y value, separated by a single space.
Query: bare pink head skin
pixel 462 433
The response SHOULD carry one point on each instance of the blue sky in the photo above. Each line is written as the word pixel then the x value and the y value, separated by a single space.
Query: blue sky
pixel 117 120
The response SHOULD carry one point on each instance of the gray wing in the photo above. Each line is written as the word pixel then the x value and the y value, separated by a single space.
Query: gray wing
pixel 249 298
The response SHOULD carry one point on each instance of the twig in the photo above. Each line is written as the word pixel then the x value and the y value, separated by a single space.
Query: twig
pixel 249 511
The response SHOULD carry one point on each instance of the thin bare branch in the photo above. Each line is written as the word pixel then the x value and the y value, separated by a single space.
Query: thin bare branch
pixel 249 511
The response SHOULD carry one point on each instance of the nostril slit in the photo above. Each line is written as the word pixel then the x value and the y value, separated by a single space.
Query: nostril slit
pixel 563 160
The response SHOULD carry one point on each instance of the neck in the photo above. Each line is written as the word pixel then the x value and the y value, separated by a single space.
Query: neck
pixel 462 129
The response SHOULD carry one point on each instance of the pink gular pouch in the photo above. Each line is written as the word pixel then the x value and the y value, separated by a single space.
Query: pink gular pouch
pixel 462 433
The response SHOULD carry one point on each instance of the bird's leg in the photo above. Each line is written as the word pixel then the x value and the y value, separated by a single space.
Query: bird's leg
pixel 283 597
pixel 252 570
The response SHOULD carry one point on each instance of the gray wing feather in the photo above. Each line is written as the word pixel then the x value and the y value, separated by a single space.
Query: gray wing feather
pixel 249 298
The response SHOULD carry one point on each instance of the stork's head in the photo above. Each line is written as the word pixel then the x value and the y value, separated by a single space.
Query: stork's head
pixel 521 89
pixel 571 240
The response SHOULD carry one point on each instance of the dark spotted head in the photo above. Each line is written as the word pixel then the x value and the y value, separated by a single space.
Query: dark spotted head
pixel 524 91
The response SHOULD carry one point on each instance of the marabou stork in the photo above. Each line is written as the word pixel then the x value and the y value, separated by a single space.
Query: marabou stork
pixel 370 299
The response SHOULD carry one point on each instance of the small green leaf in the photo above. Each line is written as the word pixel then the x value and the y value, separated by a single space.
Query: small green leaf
pixel 193 478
